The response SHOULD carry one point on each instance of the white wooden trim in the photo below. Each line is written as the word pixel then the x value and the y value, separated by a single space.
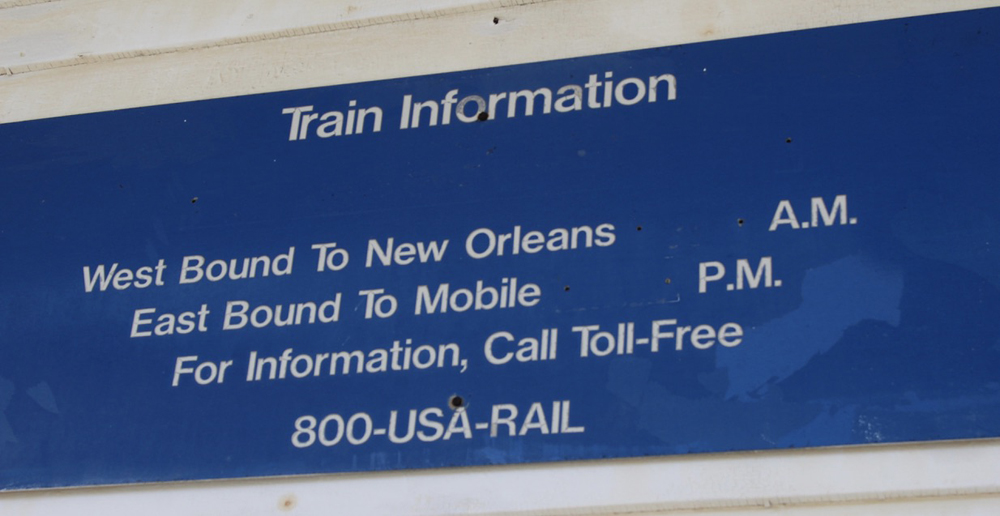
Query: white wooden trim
pixel 946 476
pixel 451 39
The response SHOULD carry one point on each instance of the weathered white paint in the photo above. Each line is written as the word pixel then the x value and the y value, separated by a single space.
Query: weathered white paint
pixel 64 57
pixel 67 32
pixel 114 74
pixel 941 478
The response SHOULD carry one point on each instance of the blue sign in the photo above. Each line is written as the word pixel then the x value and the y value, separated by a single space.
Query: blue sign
pixel 773 242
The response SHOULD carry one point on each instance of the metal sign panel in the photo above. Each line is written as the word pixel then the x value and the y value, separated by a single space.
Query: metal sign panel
pixel 773 242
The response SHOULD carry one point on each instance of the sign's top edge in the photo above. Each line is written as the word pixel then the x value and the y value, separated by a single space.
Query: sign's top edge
pixel 436 45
